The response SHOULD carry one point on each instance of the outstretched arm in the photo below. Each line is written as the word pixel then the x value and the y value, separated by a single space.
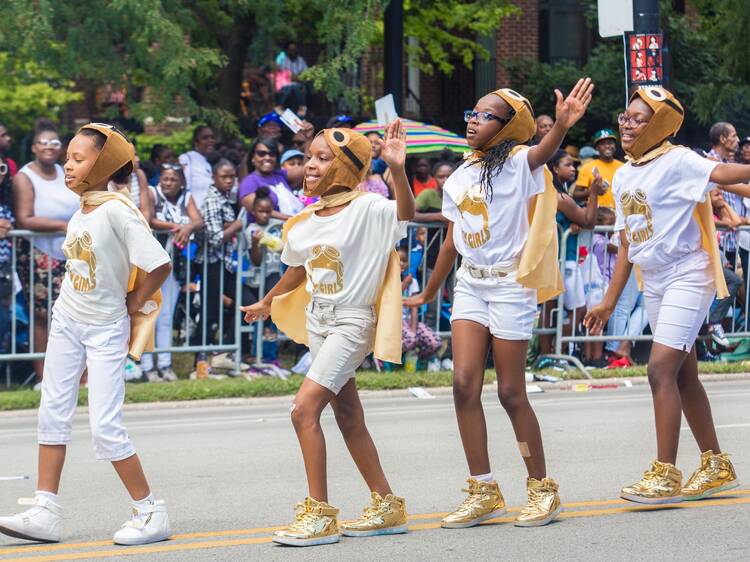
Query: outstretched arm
pixel 567 113
pixel 443 265
pixel 293 277
pixel 393 152
pixel 729 175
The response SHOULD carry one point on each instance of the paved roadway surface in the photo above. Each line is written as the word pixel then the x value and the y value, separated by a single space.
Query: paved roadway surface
pixel 232 472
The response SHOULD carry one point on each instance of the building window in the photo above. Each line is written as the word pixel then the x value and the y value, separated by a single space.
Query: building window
pixel 563 33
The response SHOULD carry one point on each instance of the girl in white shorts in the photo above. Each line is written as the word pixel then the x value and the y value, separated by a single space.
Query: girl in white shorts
pixel 666 229
pixel 344 272
pixel 106 307
pixel 509 265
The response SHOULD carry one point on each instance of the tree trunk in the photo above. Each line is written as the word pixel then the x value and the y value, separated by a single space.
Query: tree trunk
pixel 229 81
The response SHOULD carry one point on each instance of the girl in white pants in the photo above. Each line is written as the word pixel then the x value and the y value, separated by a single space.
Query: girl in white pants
pixel 666 228
pixel 509 264
pixel 91 328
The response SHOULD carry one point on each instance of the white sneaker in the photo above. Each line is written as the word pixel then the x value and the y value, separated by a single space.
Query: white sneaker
pixel 149 524
pixel 225 362
pixel 434 365
pixel 168 374
pixel 153 376
pixel 447 364
pixel 42 522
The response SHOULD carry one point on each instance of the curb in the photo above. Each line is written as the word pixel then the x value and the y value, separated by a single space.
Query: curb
pixel 575 385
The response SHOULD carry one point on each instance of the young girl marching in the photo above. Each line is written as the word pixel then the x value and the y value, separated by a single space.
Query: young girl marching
pixel 102 308
pixel 341 295
pixel 666 229
pixel 509 264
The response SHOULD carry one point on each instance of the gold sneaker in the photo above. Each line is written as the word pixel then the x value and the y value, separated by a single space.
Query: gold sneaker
pixel 543 505
pixel 315 523
pixel 662 483
pixel 384 516
pixel 484 502
pixel 715 474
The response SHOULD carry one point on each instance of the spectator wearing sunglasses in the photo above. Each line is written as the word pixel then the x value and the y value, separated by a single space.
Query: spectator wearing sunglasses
pixel 264 153
pixel 43 203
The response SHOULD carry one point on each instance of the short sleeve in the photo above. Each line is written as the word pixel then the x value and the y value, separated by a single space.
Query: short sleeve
pixel 292 255
pixel 584 175
pixel 695 172
pixel 449 208
pixel 531 181
pixel 247 186
pixel 144 250
pixel 385 213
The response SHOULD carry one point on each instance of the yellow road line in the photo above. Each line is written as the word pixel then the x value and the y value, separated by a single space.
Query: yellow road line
pixel 415 527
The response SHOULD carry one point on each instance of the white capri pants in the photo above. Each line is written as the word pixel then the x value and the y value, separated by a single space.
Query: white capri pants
pixel 72 346
pixel 340 337
pixel 677 299
pixel 498 303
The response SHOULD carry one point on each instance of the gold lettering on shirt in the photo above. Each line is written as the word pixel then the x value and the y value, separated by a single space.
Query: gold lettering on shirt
pixel 81 262
pixel 639 220
pixel 328 258
pixel 473 204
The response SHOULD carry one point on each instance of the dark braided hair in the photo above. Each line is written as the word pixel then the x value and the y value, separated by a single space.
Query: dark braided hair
pixel 492 162
pixel 551 163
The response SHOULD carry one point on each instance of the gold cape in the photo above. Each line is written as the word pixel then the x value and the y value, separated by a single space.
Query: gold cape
pixel 288 310
pixel 142 326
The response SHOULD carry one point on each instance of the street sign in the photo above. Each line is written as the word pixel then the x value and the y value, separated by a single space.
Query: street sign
pixel 643 56
pixel 615 17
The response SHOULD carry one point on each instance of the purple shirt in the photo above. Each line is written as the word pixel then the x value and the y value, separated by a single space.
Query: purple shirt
pixel 253 181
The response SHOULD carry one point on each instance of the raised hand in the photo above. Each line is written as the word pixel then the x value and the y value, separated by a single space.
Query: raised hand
pixel 569 110
pixel 415 301
pixel 598 184
pixel 393 145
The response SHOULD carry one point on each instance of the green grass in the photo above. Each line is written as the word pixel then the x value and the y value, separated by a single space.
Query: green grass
pixel 270 386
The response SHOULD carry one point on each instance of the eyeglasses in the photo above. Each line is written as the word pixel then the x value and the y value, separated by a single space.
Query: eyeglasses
pixel 168 166
pixel 264 153
pixel 482 117
pixel 3 169
pixel 628 121
pixel 49 143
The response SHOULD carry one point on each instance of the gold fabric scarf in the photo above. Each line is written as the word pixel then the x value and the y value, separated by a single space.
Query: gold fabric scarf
pixel 142 326
pixel 288 310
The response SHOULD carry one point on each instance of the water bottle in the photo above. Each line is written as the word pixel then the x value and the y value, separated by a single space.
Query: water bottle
pixel 201 366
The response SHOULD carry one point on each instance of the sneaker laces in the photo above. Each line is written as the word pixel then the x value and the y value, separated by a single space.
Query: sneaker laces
pixel 304 518
pixel 536 497
pixel 473 490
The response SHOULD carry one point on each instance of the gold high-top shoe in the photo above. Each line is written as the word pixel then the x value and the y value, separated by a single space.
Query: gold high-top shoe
pixel 714 475
pixel 315 523
pixel 662 483
pixel 384 516
pixel 484 502
pixel 543 505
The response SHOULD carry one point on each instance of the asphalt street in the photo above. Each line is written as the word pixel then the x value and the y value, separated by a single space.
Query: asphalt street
pixel 231 473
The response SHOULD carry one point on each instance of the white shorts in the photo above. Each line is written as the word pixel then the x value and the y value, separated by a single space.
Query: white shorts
pixel 677 299
pixel 340 338
pixel 574 296
pixel 498 303
pixel 72 346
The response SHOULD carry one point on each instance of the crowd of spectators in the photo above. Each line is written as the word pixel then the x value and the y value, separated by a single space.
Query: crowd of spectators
pixel 223 195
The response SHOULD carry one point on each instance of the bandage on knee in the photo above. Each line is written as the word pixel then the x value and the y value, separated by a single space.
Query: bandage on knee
pixel 524 448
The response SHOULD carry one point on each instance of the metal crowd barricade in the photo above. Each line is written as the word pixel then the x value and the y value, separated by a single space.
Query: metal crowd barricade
pixel 192 334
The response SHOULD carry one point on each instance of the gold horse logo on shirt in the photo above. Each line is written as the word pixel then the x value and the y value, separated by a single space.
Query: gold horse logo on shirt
pixel 639 221
pixel 475 205
pixel 329 258
pixel 81 264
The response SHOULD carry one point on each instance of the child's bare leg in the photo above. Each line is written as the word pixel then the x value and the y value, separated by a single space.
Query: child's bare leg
pixel 510 363
pixel 308 404
pixel 351 420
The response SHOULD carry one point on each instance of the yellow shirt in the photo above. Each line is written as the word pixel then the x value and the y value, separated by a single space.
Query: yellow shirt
pixel 607 170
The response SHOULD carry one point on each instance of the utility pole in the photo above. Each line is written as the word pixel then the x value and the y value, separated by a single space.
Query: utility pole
pixel 646 16
pixel 393 51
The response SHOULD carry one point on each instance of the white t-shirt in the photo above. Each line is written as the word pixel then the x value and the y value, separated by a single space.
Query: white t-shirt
pixel 654 204
pixel 412 289
pixel 493 231
pixel 198 175
pixel 101 246
pixel 346 254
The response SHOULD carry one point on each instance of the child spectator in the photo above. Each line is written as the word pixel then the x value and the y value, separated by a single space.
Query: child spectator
pixel 264 240
pixel 293 161
pixel 414 334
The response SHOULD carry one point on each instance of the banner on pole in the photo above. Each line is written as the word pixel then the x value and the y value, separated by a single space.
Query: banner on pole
pixel 645 64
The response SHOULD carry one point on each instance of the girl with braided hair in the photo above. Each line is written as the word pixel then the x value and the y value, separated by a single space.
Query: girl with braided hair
pixel 501 207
